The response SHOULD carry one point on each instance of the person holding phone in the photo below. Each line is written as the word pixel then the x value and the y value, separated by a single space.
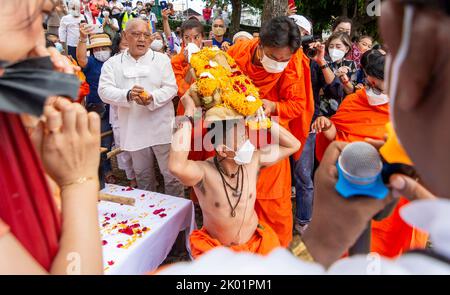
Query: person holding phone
pixel 163 5
pixel 173 40
pixel 109 24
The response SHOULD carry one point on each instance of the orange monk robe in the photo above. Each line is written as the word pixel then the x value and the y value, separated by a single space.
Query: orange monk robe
pixel 180 68
pixel 291 90
pixel 263 241
pixel 356 120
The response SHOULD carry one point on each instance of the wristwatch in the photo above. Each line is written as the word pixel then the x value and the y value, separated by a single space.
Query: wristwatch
pixel 324 66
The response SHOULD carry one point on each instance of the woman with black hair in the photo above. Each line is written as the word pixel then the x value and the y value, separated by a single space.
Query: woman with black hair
pixel 332 73
pixel 110 24
pixel 342 24
pixel 159 44
pixel 119 44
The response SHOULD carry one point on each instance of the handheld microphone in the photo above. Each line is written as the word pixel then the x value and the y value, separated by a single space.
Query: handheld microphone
pixel 363 172
pixel 360 172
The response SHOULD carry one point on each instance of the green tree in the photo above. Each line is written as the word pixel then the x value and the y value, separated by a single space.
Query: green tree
pixel 323 13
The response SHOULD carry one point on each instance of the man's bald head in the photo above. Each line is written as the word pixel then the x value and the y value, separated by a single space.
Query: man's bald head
pixel 138 35
pixel 137 23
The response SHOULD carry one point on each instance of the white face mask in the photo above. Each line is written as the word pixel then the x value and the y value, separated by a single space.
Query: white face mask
pixel 143 16
pixel 399 59
pixel 273 66
pixel 102 55
pixel 245 153
pixel 157 45
pixel 336 54
pixel 75 13
pixel 105 13
pixel 376 99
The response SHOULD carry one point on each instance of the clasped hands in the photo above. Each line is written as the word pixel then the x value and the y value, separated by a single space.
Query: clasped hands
pixel 140 96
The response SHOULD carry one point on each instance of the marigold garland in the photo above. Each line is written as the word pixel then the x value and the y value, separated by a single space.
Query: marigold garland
pixel 213 72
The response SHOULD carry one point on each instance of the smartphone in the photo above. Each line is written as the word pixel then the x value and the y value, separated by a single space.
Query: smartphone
pixel 207 43
pixel 163 5
pixel 291 3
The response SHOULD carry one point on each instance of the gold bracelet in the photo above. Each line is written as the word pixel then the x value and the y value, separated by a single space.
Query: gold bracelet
pixel 80 180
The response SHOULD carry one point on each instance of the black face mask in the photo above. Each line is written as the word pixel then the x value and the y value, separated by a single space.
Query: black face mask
pixel 24 86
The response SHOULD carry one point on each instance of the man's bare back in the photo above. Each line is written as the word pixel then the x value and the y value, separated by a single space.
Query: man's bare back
pixel 217 213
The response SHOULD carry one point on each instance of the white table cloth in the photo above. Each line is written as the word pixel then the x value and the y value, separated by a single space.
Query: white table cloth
pixel 137 239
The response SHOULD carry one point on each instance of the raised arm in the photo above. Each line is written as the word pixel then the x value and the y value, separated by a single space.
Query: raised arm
pixel 188 172
pixel 82 58
pixel 283 145
pixel 166 26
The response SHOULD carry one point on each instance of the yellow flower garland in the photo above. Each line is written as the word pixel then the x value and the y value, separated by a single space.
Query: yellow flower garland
pixel 237 90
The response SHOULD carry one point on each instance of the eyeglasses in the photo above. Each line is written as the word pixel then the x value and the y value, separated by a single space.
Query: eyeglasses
pixel 137 35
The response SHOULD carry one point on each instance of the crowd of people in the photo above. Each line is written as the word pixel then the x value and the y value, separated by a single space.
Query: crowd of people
pixel 136 82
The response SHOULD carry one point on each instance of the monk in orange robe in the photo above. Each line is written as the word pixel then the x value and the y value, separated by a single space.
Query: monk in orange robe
pixel 263 241
pixel 362 115
pixel 278 67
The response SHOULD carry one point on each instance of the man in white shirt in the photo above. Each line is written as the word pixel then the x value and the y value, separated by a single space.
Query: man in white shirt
pixel 142 84
pixel 420 107
pixel 69 29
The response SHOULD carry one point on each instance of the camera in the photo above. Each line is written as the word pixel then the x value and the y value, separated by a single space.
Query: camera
pixel 306 41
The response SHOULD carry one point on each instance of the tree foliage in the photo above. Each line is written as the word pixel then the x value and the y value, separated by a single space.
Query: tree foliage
pixel 321 12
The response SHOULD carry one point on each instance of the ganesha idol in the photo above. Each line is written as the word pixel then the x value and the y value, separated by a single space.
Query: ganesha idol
pixel 222 90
